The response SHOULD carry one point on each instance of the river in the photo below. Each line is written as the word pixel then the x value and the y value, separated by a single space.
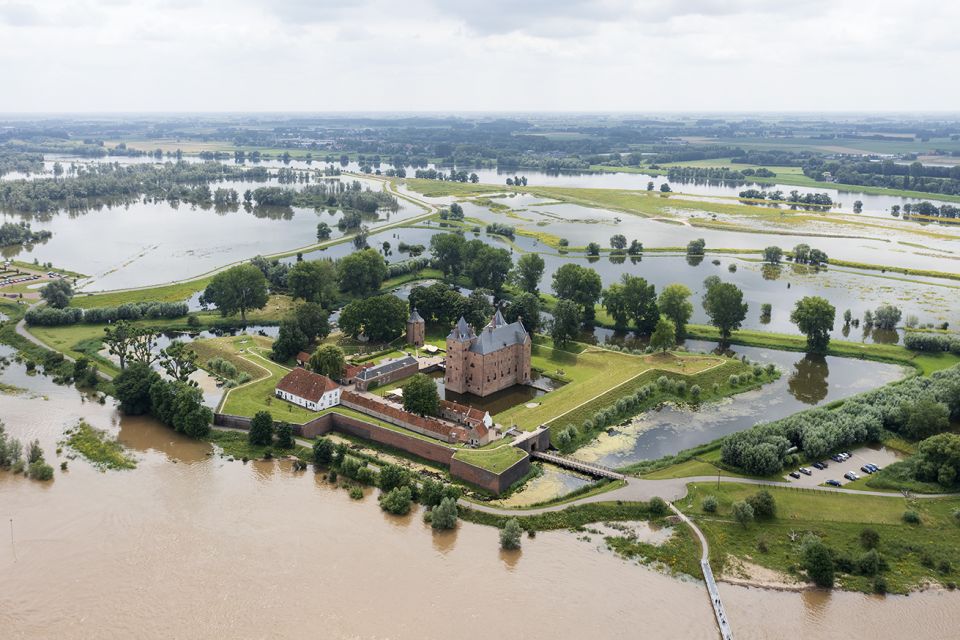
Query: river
pixel 190 545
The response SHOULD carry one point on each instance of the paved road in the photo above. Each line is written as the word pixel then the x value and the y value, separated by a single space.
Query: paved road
pixel 673 489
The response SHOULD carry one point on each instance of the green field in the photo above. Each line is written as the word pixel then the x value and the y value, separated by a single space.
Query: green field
pixel 838 519
pixel 497 459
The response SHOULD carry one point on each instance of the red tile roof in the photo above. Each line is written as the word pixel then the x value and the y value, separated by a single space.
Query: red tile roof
pixel 303 356
pixel 306 384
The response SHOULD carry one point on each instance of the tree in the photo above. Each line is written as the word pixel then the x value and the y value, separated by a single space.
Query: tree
pixel 290 341
pixel 593 249
pixel 178 360
pixel 657 506
pixel 674 302
pixel 261 429
pixel 328 360
pixel 420 396
pixel 618 242
pixel 742 512
pixel 380 318
pixel 763 504
pixel 696 247
pixel 632 299
pixel 665 188
pixel 361 272
pixel 886 316
pixel 323 231
pixel 444 515
pixel 477 308
pixel 486 266
pixel 773 254
pixel 857 206
pixel 814 316
pixel 510 535
pixel 119 340
pixel 397 501
pixel 723 302
pixel 448 253
pixel 818 562
pixel 392 476
pixel 925 417
pixel 525 308
pixel 322 451
pixel 566 322
pixel 528 272
pixel 664 335
pixel 580 285
pixel 869 538
pixel 237 290
pixel 285 436
pixel 57 293
pixel 132 388
pixel 314 281
pixel 312 319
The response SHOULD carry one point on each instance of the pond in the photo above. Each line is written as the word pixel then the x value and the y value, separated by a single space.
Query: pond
pixel 806 381
pixel 500 400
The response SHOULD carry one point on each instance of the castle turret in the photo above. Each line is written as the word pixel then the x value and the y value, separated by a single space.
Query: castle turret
pixel 416 329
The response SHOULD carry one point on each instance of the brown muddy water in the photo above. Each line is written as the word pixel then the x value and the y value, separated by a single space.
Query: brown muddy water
pixel 189 545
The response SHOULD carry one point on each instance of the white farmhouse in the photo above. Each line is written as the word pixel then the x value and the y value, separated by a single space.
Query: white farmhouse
pixel 309 390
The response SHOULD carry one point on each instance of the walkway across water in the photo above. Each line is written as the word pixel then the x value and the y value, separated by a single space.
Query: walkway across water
pixel 589 468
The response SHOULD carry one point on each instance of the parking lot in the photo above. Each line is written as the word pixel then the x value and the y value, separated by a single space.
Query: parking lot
pixel 880 457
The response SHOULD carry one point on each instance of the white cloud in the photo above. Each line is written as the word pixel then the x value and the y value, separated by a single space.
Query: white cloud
pixel 700 55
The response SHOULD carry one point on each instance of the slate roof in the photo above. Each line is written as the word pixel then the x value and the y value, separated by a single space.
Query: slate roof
pixel 306 384
pixel 414 316
pixel 461 331
pixel 386 367
pixel 493 338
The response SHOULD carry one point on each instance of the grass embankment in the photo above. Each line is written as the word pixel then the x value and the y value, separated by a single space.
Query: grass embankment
pixel 914 552
pixel 98 447
pixel 680 553
pixel 575 516
pixel 177 292
pixel 497 459
pixel 926 363
pixel 236 444
pixel 590 376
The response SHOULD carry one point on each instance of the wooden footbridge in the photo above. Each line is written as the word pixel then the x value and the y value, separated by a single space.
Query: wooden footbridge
pixel 589 468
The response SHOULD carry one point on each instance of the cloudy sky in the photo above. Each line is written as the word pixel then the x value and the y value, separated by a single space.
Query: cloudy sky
pixel 483 55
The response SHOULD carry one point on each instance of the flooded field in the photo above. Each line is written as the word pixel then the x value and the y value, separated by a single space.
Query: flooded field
pixel 806 381
pixel 153 243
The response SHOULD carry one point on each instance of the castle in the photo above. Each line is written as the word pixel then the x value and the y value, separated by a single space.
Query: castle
pixel 496 358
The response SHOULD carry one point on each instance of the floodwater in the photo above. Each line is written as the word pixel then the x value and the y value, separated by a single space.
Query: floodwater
pixel 149 243
pixel 805 381
pixel 190 545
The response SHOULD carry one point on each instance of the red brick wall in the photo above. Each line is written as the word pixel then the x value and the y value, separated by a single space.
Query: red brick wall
pixel 493 482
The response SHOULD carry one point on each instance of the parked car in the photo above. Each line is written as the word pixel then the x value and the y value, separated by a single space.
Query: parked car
pixel 836 457
pixel 819 465
pixel 866 469
pixel 874 468
pixel 851 476
pixel 834 483
pixel 805 471
pixel 794 474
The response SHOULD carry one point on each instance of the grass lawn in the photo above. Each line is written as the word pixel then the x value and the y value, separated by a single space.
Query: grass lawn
pixel 838 519
pixel 496 460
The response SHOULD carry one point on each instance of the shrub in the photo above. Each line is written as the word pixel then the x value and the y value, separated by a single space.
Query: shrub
pixel 444 515
pixel 880 585
pixel 869 539
pixel 285 436
pixel 734 380
pixel 397 501
pixel 763 504
pixel 261 429
pixel 40 470
pixel 658 506
pixel 393 476
pixel 695 391
pixel 742 512
pixel 322 451
pixel 510 535
pixel 709 504
pixel 356 493
pixel 911 517
pixel 818 561
pixel 868 564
